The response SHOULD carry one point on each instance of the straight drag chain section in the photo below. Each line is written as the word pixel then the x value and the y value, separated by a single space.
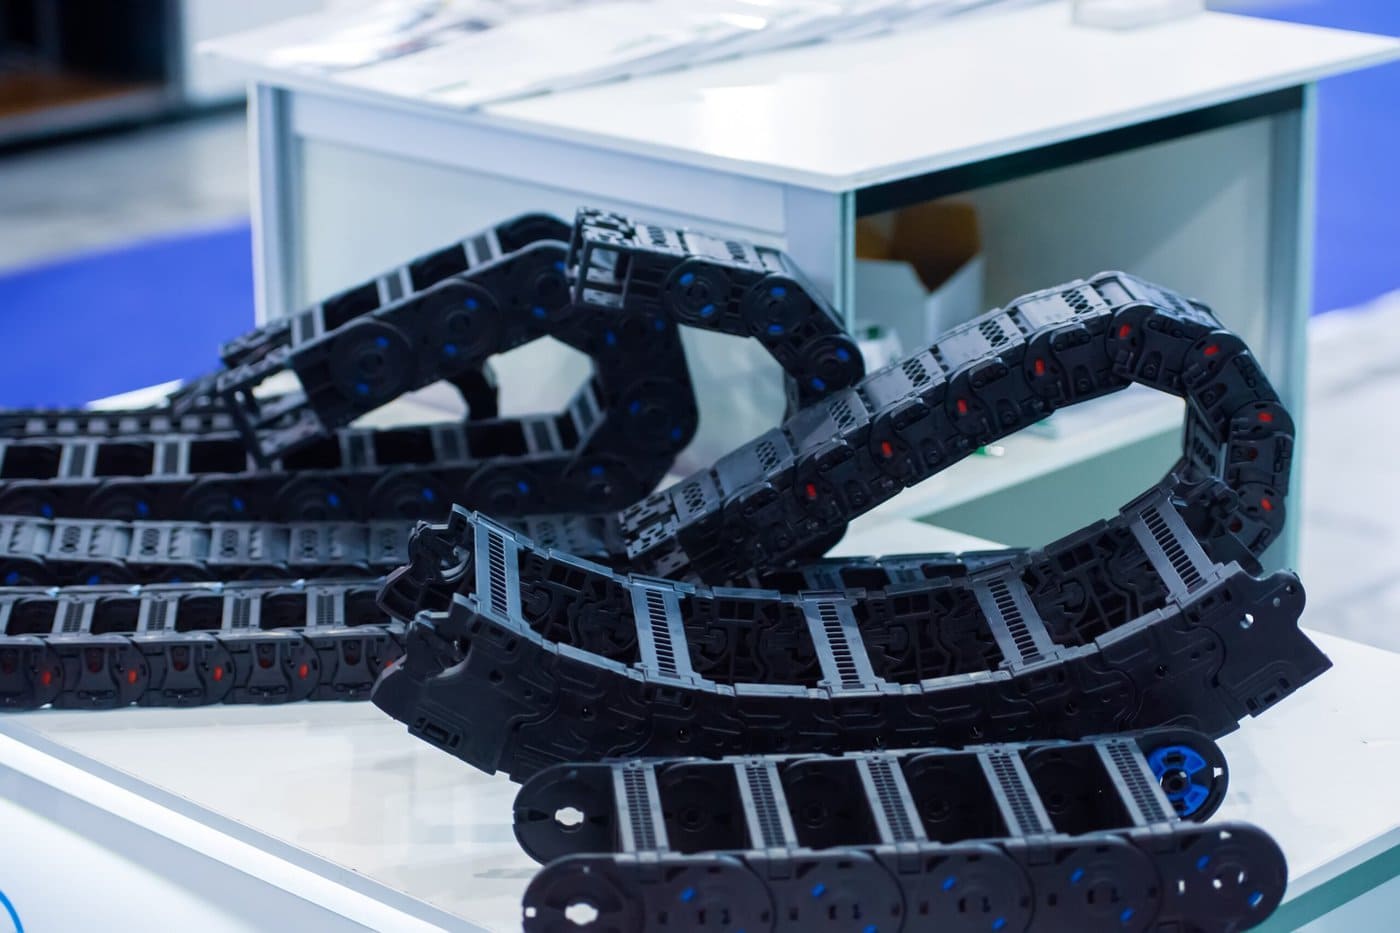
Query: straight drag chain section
pixel 192 644
pixel 1035 836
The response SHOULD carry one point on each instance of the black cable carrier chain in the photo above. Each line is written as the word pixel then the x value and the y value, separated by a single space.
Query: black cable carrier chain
pixel 554 659
pixel 1143 619
pixel 614 442
pixel 615 291
pixel 192 644
pixel 357 474
pixel 1081 836
pixel 91 552
pixel 195 409
pixel 784 497
pixel 770 502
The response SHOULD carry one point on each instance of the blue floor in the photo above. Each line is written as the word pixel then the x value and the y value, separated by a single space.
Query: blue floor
pixel 117 320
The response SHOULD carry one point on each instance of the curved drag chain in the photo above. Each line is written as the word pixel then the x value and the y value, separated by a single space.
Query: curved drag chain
pixel 193 409
pixel 616 292
pixel 1148 618
pixel 1077 836
pixel 553 659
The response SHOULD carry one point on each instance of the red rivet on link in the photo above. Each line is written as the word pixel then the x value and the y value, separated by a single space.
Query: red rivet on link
pixel 303 671
pixel 46 678
pixel 1040 367
pixel 811 490
pixel 886 449
pixel 1124 331
pixel 1266 416
pixel 1266 505
pixel 962 406
pixel 131 676
pixel 1211 349
pixel 219 672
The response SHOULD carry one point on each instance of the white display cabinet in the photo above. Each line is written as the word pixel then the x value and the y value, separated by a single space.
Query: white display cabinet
pixel 1182 152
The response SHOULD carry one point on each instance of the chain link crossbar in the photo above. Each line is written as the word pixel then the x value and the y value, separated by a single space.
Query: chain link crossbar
pixel 192 644
pixel 1048 836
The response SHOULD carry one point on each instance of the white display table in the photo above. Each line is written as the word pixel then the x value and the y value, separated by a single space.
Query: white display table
pixel 331 817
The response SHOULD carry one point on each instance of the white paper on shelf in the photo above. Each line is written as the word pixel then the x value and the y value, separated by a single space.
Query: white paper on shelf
pixel 354 34
pixel 469 53
pixel 535 54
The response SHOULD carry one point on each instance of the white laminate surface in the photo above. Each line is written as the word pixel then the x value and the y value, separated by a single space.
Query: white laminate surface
pixel 844 115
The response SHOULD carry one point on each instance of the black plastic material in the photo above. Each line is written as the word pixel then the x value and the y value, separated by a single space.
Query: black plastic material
pixel 192 644
pixel 616 292
pixel 1046 836
pixel 525 672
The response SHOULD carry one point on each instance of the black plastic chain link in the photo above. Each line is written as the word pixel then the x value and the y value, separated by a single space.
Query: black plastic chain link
pixel 1140 620
pixel 616 293
pixel 610 446
pixel 195 408
pixel 769 503
pixel 505 466
pixel 699 623
pixel 551 658
pixel 90 552
pixel 1052 836
pixel 192 644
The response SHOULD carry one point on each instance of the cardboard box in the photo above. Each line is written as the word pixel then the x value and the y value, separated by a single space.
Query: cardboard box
pixel 919 270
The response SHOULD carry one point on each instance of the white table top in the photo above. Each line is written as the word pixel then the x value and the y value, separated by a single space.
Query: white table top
pixel 838 117
pixel 347 784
